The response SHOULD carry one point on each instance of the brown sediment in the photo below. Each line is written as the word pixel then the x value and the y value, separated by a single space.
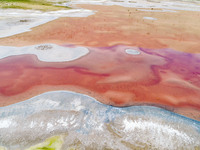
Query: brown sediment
pixel 113 25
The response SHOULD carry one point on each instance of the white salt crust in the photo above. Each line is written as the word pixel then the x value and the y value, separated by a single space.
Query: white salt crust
pixel 15 21
pixel 80 117
pixel 45 52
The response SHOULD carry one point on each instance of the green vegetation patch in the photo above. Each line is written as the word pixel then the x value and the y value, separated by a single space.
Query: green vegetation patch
pixel 42 5
pixel 2 148
pixel 53 143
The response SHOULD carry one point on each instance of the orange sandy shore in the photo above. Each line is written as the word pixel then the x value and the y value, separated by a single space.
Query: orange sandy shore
pixel 164 77
pixel 113 25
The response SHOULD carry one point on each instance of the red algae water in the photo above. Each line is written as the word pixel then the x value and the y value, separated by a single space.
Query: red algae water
pixel 162 76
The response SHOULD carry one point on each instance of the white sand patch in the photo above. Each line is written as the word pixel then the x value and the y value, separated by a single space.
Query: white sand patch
pixel 132 51
pixel 14 21
pixel 45 52
pixel 149 18
pixel 163 4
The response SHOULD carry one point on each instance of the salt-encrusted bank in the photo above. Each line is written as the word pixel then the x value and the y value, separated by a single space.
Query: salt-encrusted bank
pixel 15 21
pixel 68 117
pixel 46 52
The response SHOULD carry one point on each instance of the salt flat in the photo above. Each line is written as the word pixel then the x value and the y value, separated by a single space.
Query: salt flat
pixel 45 52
